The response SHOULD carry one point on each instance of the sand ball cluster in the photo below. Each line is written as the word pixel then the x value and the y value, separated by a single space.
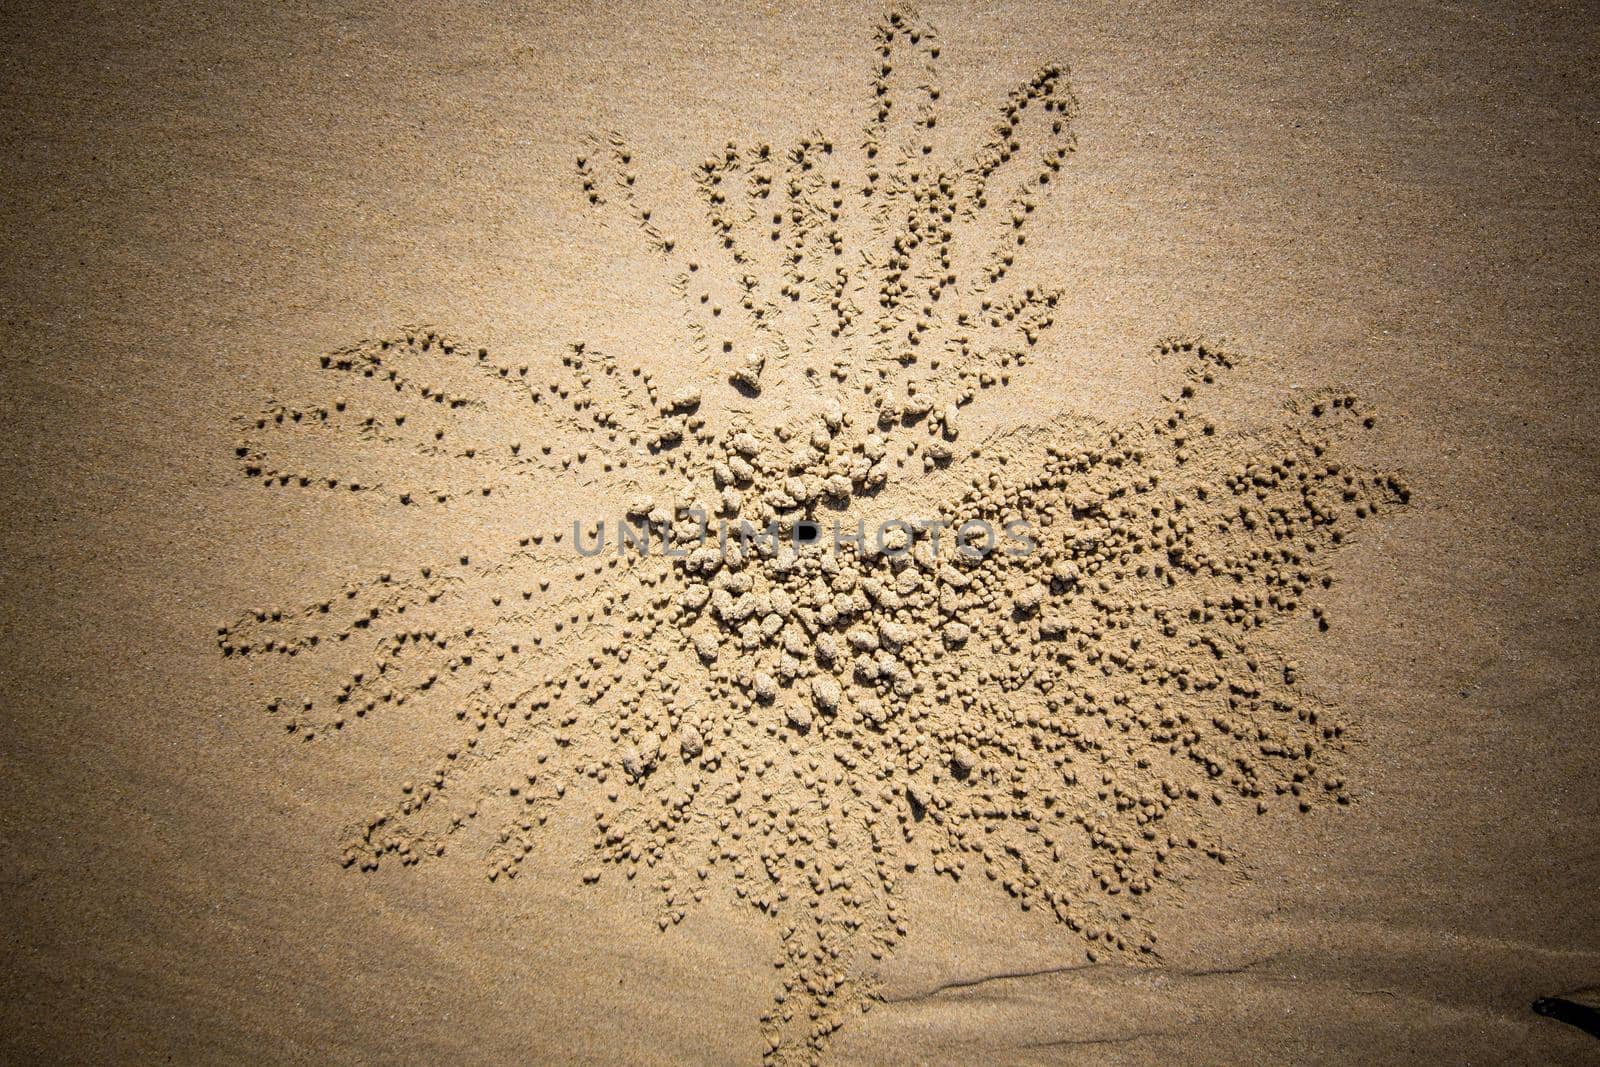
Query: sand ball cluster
pixel 806 724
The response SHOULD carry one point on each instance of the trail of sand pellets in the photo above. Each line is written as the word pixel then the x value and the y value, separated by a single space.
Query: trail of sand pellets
pixel 809 723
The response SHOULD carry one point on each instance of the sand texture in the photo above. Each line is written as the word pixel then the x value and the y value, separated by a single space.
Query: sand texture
pixel 860 534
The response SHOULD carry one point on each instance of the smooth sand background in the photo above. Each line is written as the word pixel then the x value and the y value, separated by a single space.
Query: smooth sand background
pixel 202 198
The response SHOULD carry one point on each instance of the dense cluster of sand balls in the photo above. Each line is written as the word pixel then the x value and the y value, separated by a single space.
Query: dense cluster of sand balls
pixel 808 725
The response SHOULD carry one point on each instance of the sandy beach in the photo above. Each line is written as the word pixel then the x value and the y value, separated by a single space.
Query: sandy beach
pixel 667 533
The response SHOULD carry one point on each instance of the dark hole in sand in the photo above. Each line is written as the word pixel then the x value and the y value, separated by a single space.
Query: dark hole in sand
pixel 1570 1012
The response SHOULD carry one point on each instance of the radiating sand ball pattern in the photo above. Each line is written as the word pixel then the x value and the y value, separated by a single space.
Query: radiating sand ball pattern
pixel 808 726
